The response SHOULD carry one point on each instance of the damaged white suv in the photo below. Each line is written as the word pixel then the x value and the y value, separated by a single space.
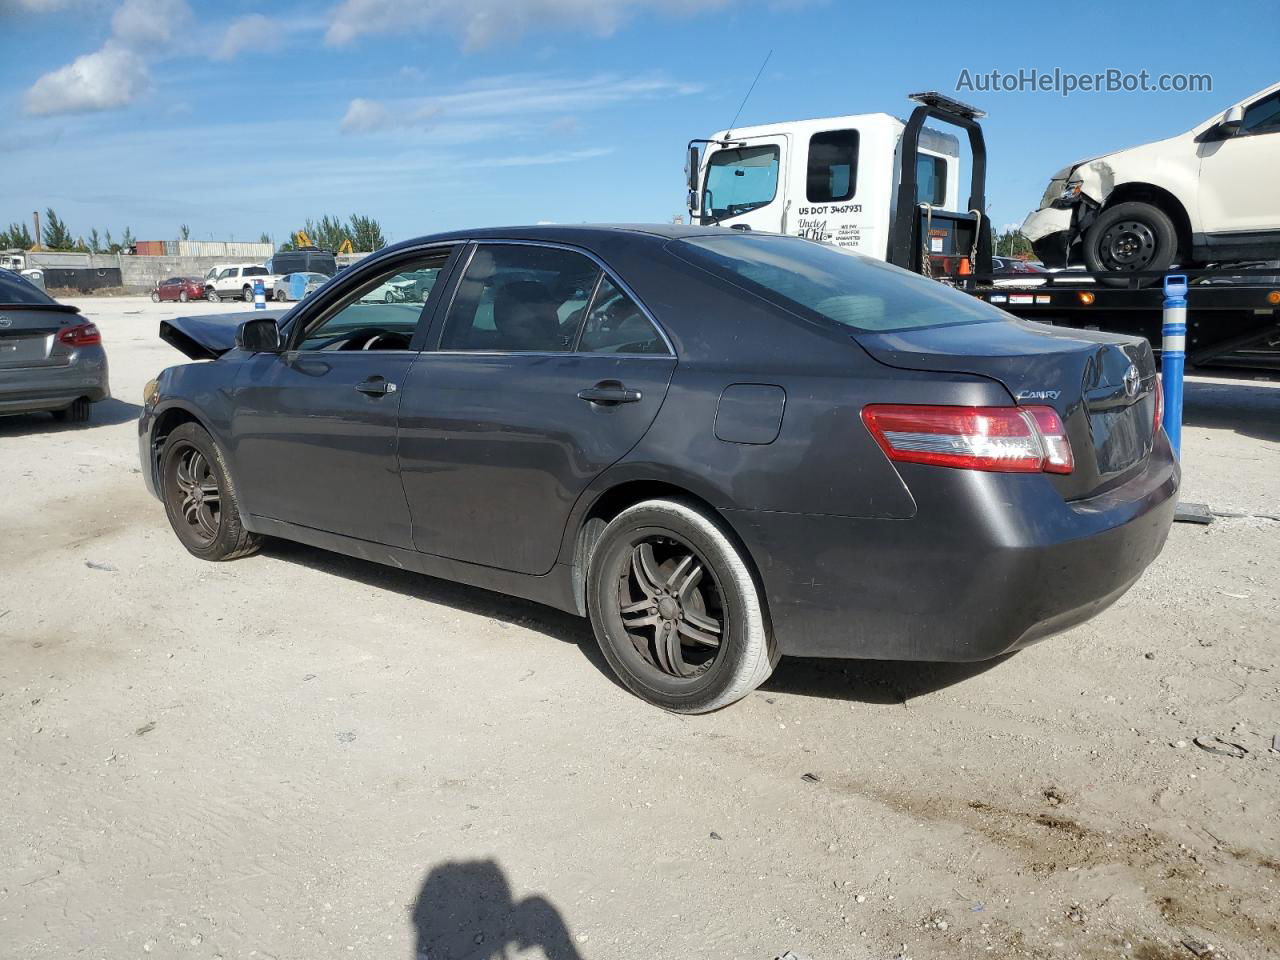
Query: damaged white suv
pixel 1210 195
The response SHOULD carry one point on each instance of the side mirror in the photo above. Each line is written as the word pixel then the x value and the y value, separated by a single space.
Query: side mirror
pixel 1231 120
pixel 693 169
pixel 258 336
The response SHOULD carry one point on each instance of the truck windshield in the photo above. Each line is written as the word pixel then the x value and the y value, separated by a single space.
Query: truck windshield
pixel 827 283
pixel 739 180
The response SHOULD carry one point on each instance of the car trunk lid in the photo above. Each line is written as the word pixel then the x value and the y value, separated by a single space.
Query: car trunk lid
pixel 29 331
pixel 1102 385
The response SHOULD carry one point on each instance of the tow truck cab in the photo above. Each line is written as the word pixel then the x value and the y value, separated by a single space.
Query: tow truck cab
pixel 865 182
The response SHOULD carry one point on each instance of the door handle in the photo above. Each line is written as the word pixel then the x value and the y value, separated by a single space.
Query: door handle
pixel 609 393
pixel 376 387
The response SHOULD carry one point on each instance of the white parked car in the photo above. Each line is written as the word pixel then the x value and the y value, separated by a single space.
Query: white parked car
pixel 1210 195
pixel 297 286
pixel 235 281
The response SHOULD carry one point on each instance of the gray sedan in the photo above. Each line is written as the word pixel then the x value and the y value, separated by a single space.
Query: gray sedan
pixel 51 358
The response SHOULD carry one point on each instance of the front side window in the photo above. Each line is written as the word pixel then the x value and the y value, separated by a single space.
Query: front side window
pixel 1262 116
pixel 833 285
pixel 740 180
pixel 520 298
pixel 379 315
pixel 931 180
pixel 614 324
pixel 833 166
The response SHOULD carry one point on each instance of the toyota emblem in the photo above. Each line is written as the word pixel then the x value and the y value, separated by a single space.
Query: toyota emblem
pixel 5 322
pixel 1132 381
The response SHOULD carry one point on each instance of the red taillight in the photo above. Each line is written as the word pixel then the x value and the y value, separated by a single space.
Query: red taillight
pixel 1159 391
pixel 1002 439
pixel 81 335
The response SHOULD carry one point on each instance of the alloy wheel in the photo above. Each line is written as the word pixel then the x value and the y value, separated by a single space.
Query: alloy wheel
pixel 196 497
pixel 671 607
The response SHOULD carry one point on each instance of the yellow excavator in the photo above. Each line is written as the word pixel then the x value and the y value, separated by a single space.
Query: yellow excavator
pixel 300 239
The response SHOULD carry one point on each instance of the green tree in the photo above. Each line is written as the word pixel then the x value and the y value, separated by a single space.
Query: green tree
pixel 95 242
pixel 17 235
pixel 184 232
pixel 56 234
pixel 109 245
pixel 1011 243
pixel 366 234
pixel 126 240
pixel 264 238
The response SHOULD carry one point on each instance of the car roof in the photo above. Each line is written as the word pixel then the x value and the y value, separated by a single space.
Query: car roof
pixel 585 234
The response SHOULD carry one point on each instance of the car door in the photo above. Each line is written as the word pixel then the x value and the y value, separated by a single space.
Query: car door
pixel 1239 189
pixel 547 371
pixel 314 426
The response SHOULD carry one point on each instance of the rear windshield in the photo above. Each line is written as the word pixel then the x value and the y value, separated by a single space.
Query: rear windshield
pixel 14 289
pixel 834 284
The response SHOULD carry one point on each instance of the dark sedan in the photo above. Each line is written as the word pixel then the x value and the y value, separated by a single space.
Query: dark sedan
pixel 721 447
pixel 51 358
pixel 179 288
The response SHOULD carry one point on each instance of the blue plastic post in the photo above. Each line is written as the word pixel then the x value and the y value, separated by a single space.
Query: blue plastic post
pixel 259 295
pixel 1173 356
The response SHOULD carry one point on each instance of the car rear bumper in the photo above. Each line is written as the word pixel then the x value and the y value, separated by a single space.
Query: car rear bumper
pixel 989 564
pixel 33 389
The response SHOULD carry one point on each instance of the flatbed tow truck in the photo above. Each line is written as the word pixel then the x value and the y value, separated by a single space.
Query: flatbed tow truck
pixel 887 189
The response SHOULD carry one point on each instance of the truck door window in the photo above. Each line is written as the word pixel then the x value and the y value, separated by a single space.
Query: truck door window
pixel 833 166
pixel 739 180
pixel 1262 116
pixel 931 180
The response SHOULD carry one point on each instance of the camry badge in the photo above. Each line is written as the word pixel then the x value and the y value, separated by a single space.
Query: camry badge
pixel 1132 381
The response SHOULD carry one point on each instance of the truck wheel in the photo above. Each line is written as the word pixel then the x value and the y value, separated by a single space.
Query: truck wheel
pixel 211 295
pixel 676 610
pixel 247 293
pixel 1130 237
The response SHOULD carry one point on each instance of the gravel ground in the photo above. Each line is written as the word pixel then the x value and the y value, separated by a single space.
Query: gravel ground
pixel 300 755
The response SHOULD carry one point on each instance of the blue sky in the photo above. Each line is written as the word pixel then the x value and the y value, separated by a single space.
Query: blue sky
pixel 238 118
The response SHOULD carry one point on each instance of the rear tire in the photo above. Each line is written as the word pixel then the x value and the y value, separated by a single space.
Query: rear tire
pixel 184 296
pixel 78 412
pixel 1130 237
pixel 676 609
pixel 199 498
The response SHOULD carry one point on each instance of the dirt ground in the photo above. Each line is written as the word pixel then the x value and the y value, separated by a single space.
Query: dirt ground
pixel 299 755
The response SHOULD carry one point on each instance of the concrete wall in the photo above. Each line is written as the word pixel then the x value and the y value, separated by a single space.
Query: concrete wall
pixel 138 274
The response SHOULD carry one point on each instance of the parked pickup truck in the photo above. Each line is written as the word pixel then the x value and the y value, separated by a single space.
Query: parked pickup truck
pixel 1209 195
pixel 231 281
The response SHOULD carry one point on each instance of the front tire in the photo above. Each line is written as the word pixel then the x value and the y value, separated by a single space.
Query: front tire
pixel 184 296
pixel 676 609
pixel 247 293
pixel 281 296
pixel 212 295
pixel 1130 237
pixel 155 296
pixel 199 498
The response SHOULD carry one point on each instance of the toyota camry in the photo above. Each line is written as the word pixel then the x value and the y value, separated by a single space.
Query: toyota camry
pixel 721 447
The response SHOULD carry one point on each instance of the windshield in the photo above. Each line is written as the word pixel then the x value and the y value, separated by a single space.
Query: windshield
pixel 14 290
pixel 740 180
pixel 829 283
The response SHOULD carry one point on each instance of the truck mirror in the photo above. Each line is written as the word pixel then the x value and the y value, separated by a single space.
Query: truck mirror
pixel 693 169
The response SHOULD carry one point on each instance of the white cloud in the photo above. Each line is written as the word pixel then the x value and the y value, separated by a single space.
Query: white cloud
pixel 107 79
pixel 366 116
pixel 147 24
pixel 34 6
pixel 543 159
pixel 116 74
pixel 506 106
pixel 481 23
pixel 250 32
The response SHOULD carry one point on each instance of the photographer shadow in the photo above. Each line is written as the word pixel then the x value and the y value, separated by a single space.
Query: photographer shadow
pixel 465 911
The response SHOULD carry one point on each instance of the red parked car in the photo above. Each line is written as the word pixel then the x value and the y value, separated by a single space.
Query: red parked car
pixel 179 288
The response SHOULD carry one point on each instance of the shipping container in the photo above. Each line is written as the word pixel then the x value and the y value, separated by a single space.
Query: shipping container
pixel 224 248
pixel 149 248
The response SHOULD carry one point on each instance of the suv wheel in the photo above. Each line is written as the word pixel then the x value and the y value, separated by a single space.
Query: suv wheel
pixel 1131 237
pixel 676 610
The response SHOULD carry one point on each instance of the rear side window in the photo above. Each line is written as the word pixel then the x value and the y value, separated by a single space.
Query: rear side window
pixel 833 285
pixel 255 271
pixel 833 166
pixel 616 325
pixel 520 298
pixel 14 290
